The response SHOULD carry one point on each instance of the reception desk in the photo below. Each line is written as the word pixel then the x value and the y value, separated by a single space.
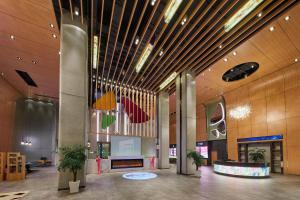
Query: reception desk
pixel 247 170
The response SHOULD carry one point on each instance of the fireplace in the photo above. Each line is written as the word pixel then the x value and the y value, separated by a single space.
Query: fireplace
pixel 127 163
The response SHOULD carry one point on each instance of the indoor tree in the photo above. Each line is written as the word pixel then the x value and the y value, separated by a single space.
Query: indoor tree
pixel 198 159
pixel 73 159
pixel 257 155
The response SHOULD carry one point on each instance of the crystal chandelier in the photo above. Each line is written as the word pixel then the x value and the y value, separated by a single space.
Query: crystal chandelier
pixel 240 112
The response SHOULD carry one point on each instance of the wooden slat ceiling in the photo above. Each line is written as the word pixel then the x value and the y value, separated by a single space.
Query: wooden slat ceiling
pixel 272 50
pixel 29 24
pixel 193 46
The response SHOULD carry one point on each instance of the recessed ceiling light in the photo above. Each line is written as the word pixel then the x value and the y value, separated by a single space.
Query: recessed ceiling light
pixel 220 47
pixel 19 58
pixel 225 59
pixel 183 21
pixel 259 14
pixel 209 69
pixel 153 2
pixel 12 37
pixel 272 28
pixel 234 53
pixel 59 52
pixel 76 11
pixel 287 18
pixel 34 62
pixel 296 60
pixel 51 25
pixel 137 40
pixel 161 53
pixel 2 74
pixel 53 35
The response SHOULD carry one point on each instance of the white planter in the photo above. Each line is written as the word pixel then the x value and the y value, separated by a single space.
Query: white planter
pixel 198 173
pixel 74 186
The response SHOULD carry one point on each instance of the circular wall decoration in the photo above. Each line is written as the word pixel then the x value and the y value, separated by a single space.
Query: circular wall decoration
pixel 240 71
pixel 139 176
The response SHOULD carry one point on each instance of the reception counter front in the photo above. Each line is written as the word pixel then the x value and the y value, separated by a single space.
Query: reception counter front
pixel 248 170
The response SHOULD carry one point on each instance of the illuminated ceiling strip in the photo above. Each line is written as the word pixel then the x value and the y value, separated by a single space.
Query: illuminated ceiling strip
pixel 143 58
pixel 157 39
pixel 95 52
pixel 168 80
pixel 125 38
pixel 182 38
pixel 172 8
pixel 241 14
pixel 141 15
pixel 182 53
pixel 142 38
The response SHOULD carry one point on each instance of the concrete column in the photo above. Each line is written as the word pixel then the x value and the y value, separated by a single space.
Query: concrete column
pixel 163 130
pixel 185 121
pixel 73 92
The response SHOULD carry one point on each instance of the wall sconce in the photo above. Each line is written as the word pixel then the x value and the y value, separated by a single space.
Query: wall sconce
pixel 26 142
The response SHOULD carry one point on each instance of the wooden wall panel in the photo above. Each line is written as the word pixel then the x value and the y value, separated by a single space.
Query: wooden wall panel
pixel 275 109
pixel 8 97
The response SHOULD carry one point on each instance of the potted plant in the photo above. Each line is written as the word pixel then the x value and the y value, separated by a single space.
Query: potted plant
pixel 257 155
pixel 73 159
pixel 197 160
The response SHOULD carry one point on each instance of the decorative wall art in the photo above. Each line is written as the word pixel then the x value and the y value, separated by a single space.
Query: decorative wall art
pixel 216 120
pixel 118 110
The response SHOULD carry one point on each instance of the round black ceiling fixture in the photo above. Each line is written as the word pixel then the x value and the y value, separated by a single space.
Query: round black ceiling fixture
pixel 240 71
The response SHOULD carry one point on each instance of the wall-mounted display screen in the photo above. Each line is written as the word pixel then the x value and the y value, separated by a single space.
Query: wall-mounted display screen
pixel 125 146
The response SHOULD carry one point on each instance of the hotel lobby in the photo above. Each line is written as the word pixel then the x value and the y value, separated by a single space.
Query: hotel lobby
pixel 149 99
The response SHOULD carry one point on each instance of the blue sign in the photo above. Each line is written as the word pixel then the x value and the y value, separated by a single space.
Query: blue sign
pixel 253 139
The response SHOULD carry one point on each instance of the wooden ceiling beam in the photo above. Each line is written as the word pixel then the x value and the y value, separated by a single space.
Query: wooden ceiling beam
pixel 246 34
pixel 125 37
pixel 133 38
pixel 116 40
pixel 108 38
pixel 243 36
pixel 141 39
pixel 206 44
pixel 99 48
pixel 178 21
pixel 199 18
pixel 187 54
pixel 71 9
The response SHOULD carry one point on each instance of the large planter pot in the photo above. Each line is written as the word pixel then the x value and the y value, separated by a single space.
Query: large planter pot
pixel 198 173
pixel 74 186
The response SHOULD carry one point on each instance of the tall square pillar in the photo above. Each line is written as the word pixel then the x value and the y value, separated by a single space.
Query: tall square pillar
pixel 185 121
pixel 163 130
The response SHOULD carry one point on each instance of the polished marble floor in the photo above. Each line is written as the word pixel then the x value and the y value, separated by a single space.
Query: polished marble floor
pixel 168 185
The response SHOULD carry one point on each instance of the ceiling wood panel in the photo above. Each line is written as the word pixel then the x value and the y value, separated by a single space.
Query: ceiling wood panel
pixel 272 50
pixel 29 22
